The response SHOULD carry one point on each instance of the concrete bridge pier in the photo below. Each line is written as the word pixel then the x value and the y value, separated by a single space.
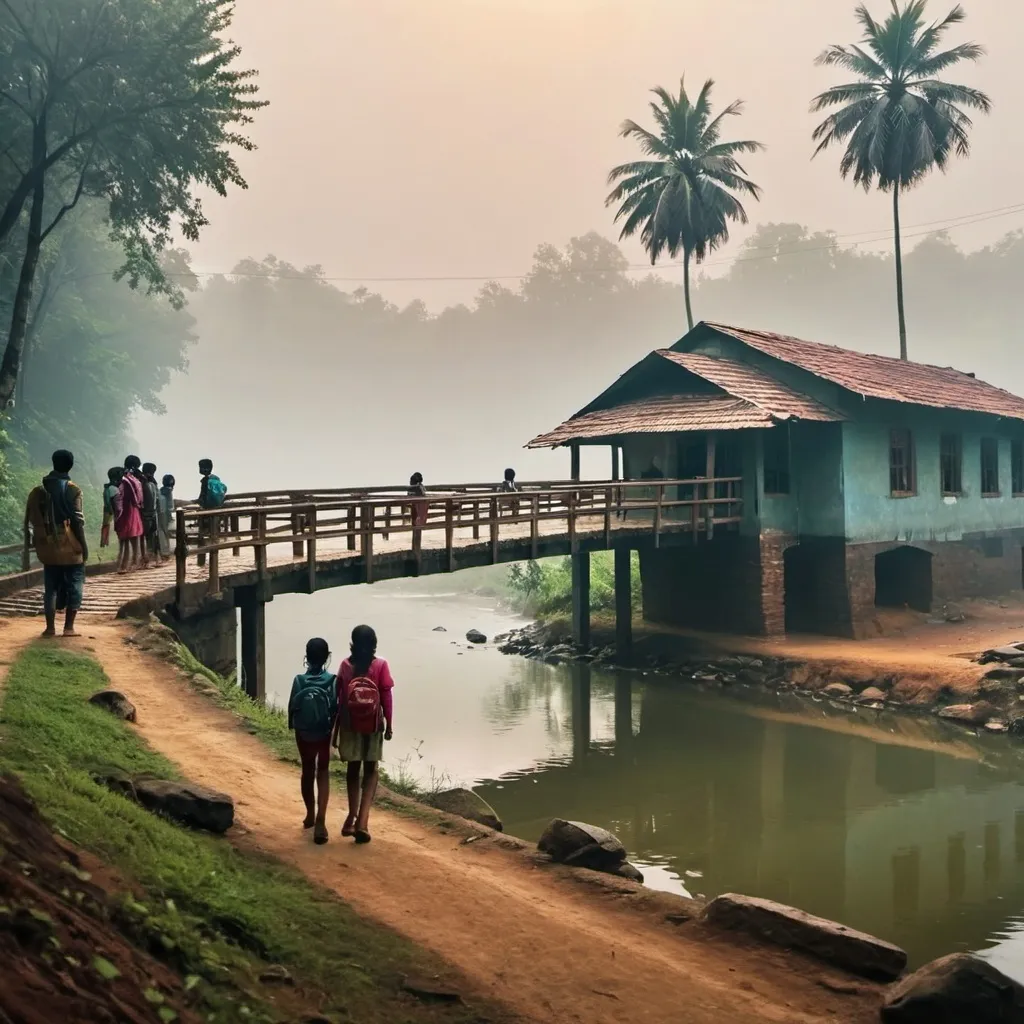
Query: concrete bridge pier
pixel 252 606
pixel 623 603
pixel 581 598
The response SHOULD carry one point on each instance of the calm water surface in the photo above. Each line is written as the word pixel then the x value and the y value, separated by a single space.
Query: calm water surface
pixel 891 825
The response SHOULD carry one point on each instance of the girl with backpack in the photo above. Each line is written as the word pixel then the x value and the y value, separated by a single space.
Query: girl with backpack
pixel 363 724
pixel 311 712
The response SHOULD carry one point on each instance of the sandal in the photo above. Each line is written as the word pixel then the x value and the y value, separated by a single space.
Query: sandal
pixel 320 835
pixel 362 836
pixel 349 828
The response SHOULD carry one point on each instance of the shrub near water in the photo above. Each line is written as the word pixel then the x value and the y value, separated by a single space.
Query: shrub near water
pixel 213 911
pixel 544 588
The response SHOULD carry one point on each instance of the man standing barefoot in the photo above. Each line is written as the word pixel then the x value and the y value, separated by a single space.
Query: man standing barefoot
pixel 54 516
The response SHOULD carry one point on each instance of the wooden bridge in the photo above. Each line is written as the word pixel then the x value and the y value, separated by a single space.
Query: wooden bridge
pixel 261 544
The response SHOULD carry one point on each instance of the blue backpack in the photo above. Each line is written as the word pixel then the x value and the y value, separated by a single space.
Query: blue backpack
pixel 216 491
pixel 313 706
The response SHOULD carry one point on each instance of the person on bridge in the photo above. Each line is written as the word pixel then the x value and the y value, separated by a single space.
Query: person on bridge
pixel 212 493
pixel 54 515
pixel 362 726
pixel 312 708
pixel 110 489
pixel 166 512
pixel 509 486
pixel 419 508
pixel 151 513
pixel 128 515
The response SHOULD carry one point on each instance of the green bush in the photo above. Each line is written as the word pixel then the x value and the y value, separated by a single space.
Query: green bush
pixel 544 588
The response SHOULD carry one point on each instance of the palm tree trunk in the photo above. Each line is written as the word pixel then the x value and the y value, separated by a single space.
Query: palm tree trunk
pixel 899 270
pixel 686 287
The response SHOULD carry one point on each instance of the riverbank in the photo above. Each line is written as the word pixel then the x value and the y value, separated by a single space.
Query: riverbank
pixel 533 940
pixel 921 665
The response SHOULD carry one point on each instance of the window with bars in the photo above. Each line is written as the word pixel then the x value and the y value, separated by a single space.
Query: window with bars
pixel 776 461
pixel 1017 465
pixel 902 475
pixel 951 464
pixel 989 467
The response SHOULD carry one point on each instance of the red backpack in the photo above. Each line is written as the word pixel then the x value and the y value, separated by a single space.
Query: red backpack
pixel 362 706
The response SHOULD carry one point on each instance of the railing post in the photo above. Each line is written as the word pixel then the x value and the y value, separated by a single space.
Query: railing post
pixel 297 545
pixel 534 525
pixel 570 504
pixel 367 524
pixel 310 517
pixel 657 515
pixel 180 550
pixel 449 533
pixel 235 531
pixel 709 522
pixel 419 517
pixel 260 547
pixel 352 528
pixel 387 522
pixel 476 520
pixel 608 494
pixel 213 584
pixel 494 531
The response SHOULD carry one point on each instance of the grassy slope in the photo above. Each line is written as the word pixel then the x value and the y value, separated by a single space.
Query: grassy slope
pixel 216 911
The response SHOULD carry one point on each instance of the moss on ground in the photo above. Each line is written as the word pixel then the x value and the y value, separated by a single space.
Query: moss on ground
pixel 218 914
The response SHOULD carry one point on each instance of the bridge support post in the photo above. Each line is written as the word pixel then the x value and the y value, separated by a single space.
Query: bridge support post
pixel 623 603
pixel 253 615
pixel 581 598
pixel 580 711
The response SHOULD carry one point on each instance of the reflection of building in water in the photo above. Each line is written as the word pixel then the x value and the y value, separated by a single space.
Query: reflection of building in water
pixel 913 845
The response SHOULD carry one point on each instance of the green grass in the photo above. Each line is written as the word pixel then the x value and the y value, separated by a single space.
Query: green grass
pixel 213 911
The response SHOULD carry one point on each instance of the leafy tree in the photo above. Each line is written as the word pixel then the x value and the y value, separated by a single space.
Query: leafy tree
pixel 134 102
pixel 683 196
pixel 899 120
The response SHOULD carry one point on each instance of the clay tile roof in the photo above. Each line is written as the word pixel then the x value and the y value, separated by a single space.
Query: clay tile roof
pixel 752 385
pixel 883 377
pixel 665 414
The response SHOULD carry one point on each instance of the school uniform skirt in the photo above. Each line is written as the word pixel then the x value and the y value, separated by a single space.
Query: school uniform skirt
pixel 359 746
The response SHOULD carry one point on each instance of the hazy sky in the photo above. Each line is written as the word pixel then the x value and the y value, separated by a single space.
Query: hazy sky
pixel 447 138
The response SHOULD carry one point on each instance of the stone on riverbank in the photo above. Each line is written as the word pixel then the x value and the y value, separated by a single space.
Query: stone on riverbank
pixel 582 845
pixel 116 703
pixel 464 803
pixel 187 803
pixel 834 943
pixel 870 695
pixel 474 636
pixel 970 714
pixel 837 690
pixel 953 990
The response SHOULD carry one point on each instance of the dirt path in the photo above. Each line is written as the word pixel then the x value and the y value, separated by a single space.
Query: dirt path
pixel 518 933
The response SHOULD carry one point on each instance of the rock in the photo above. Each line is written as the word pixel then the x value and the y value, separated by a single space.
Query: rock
pixel 853 951
pixel 116 780
pixel 187 803
pixel 116 703
pixel 582 845
pixel 1005 672
pixel 474 636
pixel 752 676
pixel 953 990
pixel 870 695
pixel 439 629
pixel 630 871
pixel 466 804
pixel 276 975
pixel 953 612
pixel 971 714
pixel 837 690
pixel 1009 652
pixel 994 725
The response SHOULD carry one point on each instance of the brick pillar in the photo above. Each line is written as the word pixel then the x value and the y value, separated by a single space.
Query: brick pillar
pixel 773 583
pixel 860 586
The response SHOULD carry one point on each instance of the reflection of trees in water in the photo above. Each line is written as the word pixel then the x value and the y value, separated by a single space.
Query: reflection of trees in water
pixel 530 687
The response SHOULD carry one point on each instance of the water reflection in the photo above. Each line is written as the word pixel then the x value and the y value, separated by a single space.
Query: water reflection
pixel 916 845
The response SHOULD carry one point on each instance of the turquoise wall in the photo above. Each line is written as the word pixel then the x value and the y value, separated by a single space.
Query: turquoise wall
pixel 871 514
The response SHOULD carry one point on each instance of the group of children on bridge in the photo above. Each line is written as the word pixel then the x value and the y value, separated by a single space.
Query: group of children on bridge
pixel 351 712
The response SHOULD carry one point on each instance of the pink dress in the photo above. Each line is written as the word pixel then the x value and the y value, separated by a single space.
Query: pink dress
pixel 128 509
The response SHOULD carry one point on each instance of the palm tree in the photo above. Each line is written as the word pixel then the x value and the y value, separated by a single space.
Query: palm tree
pixel 899 120
pixel 683 196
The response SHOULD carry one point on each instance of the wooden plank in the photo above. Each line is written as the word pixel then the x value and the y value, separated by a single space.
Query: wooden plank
pixel 570 505
pixel 351 539
pixel 180 551
pixel 297 545
pixel 615 462
pixel 608 498
pixel 494 531
pixel 367 517
pixel 260 547
pixel 310 516
pixel 235 531
pixel 476 520
pixel 213 585
pixel 449 533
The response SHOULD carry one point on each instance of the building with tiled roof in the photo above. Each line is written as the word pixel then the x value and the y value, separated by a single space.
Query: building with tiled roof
pixel 866 481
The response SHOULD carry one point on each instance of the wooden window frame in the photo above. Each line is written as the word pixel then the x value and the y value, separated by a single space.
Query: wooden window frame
pixel 1017 468
pixel 910 469
pixel 994 442
pixel 776 492
pixel 958 454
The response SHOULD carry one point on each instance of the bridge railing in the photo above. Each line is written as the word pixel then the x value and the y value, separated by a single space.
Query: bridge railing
pixel 353 521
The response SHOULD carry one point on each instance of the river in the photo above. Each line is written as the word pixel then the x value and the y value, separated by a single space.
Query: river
pixel 877 823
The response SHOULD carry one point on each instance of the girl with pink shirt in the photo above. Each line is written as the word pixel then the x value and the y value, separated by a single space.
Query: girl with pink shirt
pixel 363 724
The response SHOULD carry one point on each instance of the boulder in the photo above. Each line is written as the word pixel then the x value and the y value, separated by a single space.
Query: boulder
pixel 853 951
pixel 995 725
pixel 953 990
pixel 630 871
pixel 464 803
pixel 582 845
pixel 870 695
pixel 837 690
pixel 116 703
pixel 970 714
pixel 1005 672
pixel 116 780
pixel 474 636
pixel 187 803
pixel 953 612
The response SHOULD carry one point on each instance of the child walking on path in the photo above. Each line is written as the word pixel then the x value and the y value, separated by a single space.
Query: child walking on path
pixel 311 713
pixel 363 724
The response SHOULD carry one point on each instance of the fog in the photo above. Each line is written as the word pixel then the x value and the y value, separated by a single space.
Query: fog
pixel 420 150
